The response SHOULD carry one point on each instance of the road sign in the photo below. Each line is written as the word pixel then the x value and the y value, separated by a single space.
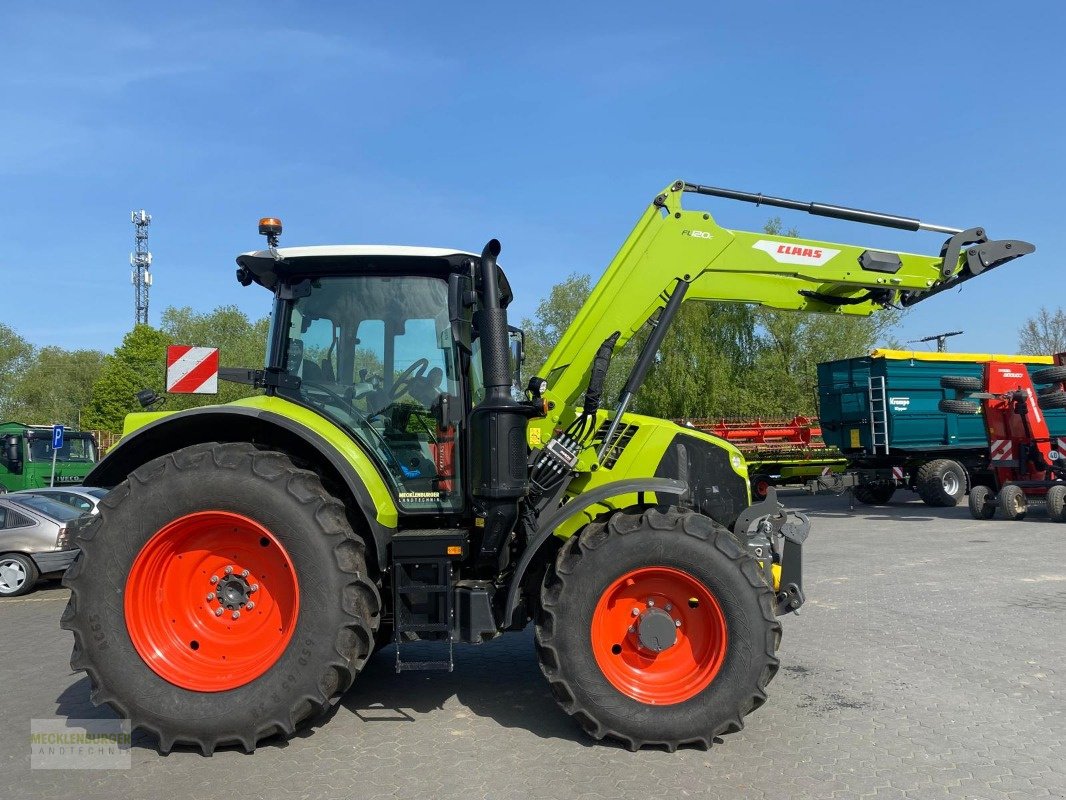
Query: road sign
pixel 57 445
pixel 192 370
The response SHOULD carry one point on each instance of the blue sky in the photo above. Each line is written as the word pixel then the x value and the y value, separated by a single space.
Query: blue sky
pixel 549 126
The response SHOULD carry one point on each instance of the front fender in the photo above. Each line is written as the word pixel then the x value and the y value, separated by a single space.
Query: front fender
pixel 553 520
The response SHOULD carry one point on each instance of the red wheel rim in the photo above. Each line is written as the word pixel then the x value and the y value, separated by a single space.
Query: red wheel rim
pixel 622 616
pixel 761 488
pixel 191 570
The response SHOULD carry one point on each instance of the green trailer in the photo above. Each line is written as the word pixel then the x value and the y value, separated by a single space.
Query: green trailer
pixel 882 413
pixel 26 457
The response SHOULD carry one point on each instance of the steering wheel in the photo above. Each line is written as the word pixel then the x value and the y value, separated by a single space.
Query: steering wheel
pixel 405 378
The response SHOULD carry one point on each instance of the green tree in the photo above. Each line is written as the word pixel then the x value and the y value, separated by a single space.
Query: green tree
pixel 552 317
pixel 56 385
pixel 15 354
pixel 1044 334
pixel 240 343
pixel 138 363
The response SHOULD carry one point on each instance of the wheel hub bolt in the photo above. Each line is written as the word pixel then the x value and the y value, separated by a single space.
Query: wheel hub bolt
pixel 229 570
pixel 651 603
pixel 254 587
pixel 214 579
pixel 218 612
pixel 677 623
pixel 236 615
pixel 668 607
pixel 250 605
pixel 210 596
pixel 244 574
pixel 636 612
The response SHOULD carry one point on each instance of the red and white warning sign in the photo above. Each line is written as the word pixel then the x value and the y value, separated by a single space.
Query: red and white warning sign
pixel 1001 450
pixel 897 473
pixel 827 471
pixel 192 370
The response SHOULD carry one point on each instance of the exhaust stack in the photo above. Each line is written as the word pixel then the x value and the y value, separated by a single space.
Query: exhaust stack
pixel 499 474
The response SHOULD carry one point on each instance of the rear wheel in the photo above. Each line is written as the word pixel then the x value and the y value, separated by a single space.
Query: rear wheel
pixel 243 605
pixel 1056 503
pixel 656 628
pixel 18 574
pixel 941 483
pixel 874 494
pixel 1012 502
pixel 982 502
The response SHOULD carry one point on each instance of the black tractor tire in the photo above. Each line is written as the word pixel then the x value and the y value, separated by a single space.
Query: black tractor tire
pixel 959 406
pixel 941 483
pixel 585 569
pixel 759 484
pixel 1051 400
pixel 332 634
pixel 874 494
pixel 982 502
pixel 962 383
pixel 1050 375
pixel 1012 502
pixel 1056 503
pixel 21 574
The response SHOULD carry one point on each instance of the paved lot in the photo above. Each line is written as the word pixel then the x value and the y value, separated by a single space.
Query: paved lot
pixel 927 663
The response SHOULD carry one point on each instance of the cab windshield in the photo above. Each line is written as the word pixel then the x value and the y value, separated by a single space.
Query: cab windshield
pixel 374 353
pixel 75 448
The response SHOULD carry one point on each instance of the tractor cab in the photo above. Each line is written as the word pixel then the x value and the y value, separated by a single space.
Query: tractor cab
pixel 382 341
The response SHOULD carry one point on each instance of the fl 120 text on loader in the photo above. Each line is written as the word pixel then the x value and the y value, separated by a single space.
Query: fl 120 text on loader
pixel 388 486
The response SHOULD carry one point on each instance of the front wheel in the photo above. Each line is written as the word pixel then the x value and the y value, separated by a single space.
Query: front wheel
pixel 1056 503
pixel 220 597
pixel 982 502
pixel 656 628
pixel 1012 502
pixel 874 494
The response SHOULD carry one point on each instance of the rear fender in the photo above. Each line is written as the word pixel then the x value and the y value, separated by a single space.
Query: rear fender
pixel 337 459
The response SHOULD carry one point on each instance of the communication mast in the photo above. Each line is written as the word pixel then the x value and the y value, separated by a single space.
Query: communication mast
pixel 141 261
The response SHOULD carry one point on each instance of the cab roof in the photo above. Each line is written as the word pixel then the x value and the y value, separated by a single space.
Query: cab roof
pixel 298 262
pixel 261 267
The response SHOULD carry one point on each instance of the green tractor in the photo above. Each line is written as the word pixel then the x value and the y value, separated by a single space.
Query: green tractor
pixel 390 484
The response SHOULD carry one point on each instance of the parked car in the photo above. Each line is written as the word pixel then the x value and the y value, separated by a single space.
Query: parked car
pixel 35 536
pixel 83 498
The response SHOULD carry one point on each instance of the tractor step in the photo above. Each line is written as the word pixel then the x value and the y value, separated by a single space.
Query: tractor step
pixel 423 592
pixel 425 666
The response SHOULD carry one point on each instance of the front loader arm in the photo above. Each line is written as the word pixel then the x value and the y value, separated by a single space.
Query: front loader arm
pixel 671 248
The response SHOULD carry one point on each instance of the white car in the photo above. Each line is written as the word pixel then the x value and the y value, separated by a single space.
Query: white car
pixel 83 498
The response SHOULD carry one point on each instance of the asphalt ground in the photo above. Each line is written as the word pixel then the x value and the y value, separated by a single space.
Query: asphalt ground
pixel 927 663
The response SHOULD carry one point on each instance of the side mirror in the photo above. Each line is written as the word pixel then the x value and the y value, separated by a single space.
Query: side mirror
pixel 516 339
pixel 461 302
pixel 12 453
